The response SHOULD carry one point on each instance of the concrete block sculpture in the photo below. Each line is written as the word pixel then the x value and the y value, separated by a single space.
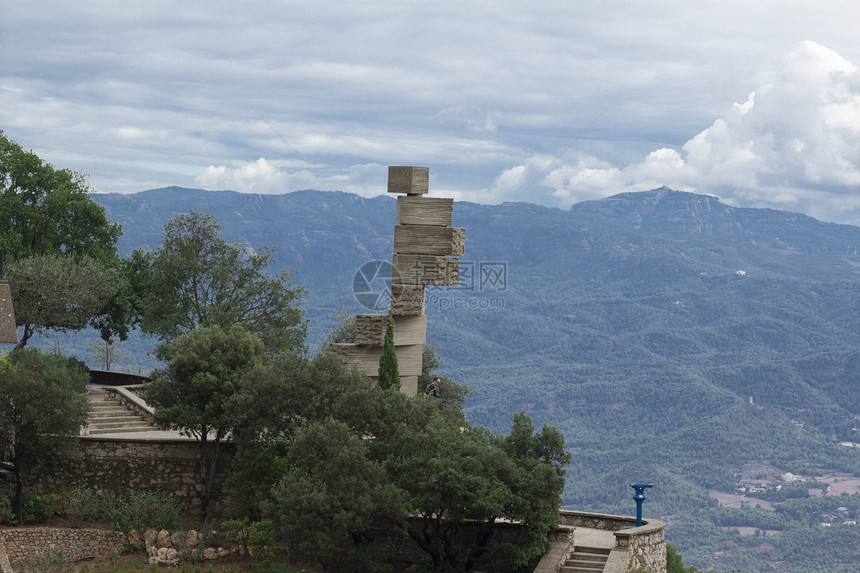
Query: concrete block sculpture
pixel 426 252
pixel 8 332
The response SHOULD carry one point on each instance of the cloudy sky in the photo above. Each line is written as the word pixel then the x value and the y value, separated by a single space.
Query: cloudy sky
pixel 757 102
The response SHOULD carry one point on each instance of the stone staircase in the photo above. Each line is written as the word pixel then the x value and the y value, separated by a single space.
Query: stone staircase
pixel 586 560
pixel 113 417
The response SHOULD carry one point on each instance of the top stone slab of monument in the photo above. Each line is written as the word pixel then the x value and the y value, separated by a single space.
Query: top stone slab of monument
pixel 409 180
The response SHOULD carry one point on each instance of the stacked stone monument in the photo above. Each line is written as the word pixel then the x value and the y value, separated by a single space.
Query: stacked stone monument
pixel 8 332
pixel 426 252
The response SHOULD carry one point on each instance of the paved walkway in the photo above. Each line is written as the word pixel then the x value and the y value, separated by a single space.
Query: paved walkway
pixel 594 538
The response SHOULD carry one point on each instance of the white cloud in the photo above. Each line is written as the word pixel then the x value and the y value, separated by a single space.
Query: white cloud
pixel 795 141
pixel 258 176
pixel 163 94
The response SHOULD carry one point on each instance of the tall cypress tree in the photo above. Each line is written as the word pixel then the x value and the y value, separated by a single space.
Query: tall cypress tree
pixel 389 375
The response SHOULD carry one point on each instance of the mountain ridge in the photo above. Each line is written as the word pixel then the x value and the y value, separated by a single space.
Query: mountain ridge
pixel 672 338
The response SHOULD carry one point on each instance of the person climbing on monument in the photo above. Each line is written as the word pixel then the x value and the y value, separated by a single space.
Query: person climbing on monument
pixel 433 388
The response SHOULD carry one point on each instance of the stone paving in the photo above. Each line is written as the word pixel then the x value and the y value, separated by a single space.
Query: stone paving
pixel 595 538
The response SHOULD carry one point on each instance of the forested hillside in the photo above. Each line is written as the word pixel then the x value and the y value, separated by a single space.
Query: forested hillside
pixel 671 338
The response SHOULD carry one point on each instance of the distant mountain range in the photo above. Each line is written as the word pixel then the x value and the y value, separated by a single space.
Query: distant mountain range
pixel 672 338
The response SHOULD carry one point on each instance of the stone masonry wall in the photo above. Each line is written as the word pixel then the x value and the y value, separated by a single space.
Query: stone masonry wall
pixel 646 550
pixel 74 544
pixel 595 520
pixel 165 466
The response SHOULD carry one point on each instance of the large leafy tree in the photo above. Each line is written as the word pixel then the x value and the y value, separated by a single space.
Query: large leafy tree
pixel 57 292
pixel 48 212
pixel 123 311
pixel 42 406
pixel 205 369
pixel 199 279
pixel 273 405
pixel 450 472
pixel 332 497
pixel 340 466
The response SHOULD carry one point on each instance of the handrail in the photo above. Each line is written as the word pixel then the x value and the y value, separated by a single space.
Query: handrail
pixel 128 396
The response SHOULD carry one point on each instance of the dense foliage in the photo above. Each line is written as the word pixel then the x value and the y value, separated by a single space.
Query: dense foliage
pixel 49 210
pixel 334 462
pixel 389 373
pixel 205 369
pixel 42 406
pixel 58 293
pixel 199 279
pixel 60 246
pixel 123 509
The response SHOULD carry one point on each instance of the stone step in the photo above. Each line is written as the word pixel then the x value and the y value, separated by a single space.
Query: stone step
pixel 117 421
pixel 99 406
pixel 135 429
pixel 586 560
pixel 112 417
pixel 112 413
pixel 571 566
pixel 600 558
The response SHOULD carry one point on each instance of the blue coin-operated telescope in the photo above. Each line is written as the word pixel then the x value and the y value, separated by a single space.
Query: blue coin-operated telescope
pixel 639 497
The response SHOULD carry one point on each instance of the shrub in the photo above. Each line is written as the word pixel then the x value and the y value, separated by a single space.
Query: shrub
pixel 77 365
pixel 43 564
pixel 39 506
pixel 142 510
pixel 7 516
pixel 81 504
pixel 257 537
pixel 124 509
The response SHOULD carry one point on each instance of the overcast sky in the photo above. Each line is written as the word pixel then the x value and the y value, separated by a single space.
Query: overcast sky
pixel 756 102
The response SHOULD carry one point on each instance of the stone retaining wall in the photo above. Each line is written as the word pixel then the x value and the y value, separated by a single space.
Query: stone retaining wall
pixel 602 521
pixel 169 466
pixel 646 546
pixel 74 544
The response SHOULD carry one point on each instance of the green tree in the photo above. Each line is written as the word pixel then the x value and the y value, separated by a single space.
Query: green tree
pixel 343 332
pixel 332 497
pixel 333 460
pixel 389 376
pixel 451 472
pixel 461 481
pixel 272 405
pixel 675 562
pixel 42 406
pixel 205 369
pixel 49 210
pixel 123 311
pixel 199 279
pixel 58 292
